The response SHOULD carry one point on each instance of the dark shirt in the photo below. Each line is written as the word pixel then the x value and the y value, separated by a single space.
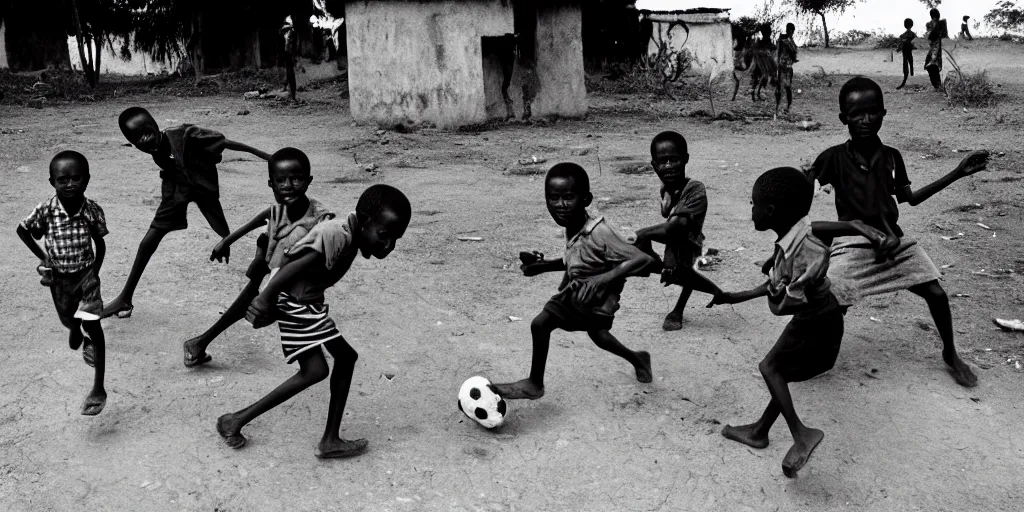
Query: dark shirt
pixel 906 41
pixel 865 190
pixel 188 155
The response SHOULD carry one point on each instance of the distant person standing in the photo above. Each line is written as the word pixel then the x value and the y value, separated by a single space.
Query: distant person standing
pixel 906 47
pixel 965 31
pixel 937 31
pixel 291 53
pixel 786 57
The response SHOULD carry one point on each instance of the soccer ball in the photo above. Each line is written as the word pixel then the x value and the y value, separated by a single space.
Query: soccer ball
pixel 480 401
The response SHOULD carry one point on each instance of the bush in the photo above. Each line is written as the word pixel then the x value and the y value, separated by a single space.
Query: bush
pixel 850 38
pixel 970 90
pixel 887 42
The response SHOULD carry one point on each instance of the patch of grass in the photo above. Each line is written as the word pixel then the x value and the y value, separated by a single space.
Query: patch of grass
pixel 970 89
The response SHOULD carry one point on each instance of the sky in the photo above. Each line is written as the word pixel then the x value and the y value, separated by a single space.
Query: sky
pixel 884 15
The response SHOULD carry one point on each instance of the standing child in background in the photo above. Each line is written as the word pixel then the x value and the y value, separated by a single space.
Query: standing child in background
pixel 965 31
pixel 596 263
pixel 906 47
pixel 684 204
pixel 69 225
pixel 765 66
pixel 286 222
pixel 290 55
pixel 786 58
pixel 187 156
pixel 797 285
pixel 869 178
pixel 933 61
pixel 294 298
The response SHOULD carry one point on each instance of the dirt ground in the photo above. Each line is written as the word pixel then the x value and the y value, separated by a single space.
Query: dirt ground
pixel 900 434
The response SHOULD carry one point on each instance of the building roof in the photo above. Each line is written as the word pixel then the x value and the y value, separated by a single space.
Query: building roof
pixel 695 15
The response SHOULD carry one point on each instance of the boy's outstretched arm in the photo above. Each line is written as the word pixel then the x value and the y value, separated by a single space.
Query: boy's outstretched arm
pixel 738 297
pixel 222 251
pixel 260 308
pixel 973 163
pixel 672 229
pixel 534 264
pixel 30 241
pixel 238 146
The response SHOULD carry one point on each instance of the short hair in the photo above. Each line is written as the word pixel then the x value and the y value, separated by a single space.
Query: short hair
pixel 934 13
pixel 669 136
pixel 765 28
pixel 69 156
pixel 788 190
pixel 379 198
pixel 129 114
pixel 289 155
pixel 907 23
pixel 858 84
pixel 569 170
pixel 790 26
pixel 966 18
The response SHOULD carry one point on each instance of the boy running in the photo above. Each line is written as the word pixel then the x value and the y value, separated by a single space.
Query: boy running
pixel 187 156
pixel 69 225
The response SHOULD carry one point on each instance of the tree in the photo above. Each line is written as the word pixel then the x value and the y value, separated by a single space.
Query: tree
pixel 931 4
pixel 820 7
pixel 1007 16
pixel 93 23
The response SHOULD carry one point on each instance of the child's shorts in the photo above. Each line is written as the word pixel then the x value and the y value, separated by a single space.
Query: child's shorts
pixel 574 317
pixel 808 346
pixel 258 268
pixel 171 215
pixel 303 327
pixel 77 296
pixel 855 274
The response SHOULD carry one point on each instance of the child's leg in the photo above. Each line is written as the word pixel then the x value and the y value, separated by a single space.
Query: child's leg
pixel 910 63
pixel 533 387
pixel 778 97
pixel 75 337
pixel 674 319
pixel 690 280
pixel 938 304
pixel 640 360
pixel 755 435
pixel 147 247
pixel 789 98
pixel 312 369
pixel 195 348
pixel 805 439
pixel 97 398
pixel 331 444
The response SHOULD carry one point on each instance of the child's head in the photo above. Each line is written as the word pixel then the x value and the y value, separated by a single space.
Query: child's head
pixel 384 214
pixel 669 157
pixel 934 13
pixel 766 31
pixel 966 18
pixel 567 192
pixel 139 127
pixel 289 175
pixel 780 198
pixel 69 174
pixel 790 29
pixel 861 107
pixel 908 23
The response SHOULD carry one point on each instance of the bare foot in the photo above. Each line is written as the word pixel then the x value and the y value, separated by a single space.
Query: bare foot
pixel 673 322
pixel 801 451
pixel 94 404
pixel 339 448
pixel 231 433
pixel 525 388
pixel 119 308
pixel 749 435
pixel 961 373
pixel 193 358
pixel 643 372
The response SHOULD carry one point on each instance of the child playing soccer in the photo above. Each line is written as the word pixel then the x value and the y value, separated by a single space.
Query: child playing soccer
pixel 786 58
pixel 684 204
pixel 187 156
pixel 294 298
pixel 286 222
pixel 797 285
pixel 906 47
pixel 869 178
pixel 596 264
pixel 69 225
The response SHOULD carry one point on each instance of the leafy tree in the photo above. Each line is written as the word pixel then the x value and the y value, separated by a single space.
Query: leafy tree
pixel 931 4
pixel 820 7
pixel 1007 16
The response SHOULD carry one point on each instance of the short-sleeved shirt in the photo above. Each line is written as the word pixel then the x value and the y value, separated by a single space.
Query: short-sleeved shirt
pixel 282 233
pixel 787 52
pixel 189 155
pixel 335 240
pixel 798 284
pixel 596 249
pixel 865 190
pixel 906 40
pixel 67 238
pixel 691 202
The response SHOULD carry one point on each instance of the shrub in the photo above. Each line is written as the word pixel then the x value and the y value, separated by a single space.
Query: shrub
pixel 970 89
pixel 887 42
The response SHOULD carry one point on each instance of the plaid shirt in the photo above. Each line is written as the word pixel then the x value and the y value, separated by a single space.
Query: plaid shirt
pixel 67 238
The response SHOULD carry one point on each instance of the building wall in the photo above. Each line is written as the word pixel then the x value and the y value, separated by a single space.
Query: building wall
pixel 420 61
pixel 140 63
pixel 560 76
pixel 3 47
pixel 705 42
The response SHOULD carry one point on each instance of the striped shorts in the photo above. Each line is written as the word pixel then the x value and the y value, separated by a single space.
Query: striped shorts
pixel 303 326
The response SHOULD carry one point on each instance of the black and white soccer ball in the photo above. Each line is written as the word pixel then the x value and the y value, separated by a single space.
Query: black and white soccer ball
pixel 479 400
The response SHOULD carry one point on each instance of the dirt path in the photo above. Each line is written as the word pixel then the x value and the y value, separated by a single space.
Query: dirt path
pixel 900 434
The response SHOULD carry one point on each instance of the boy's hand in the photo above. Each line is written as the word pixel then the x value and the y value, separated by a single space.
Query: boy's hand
pixel 587 289
pixel 723 298
pixel 221 252
pixel 974 162
pixel 884 243
pixel 259 314
pixel 45 270
pixel 532 263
